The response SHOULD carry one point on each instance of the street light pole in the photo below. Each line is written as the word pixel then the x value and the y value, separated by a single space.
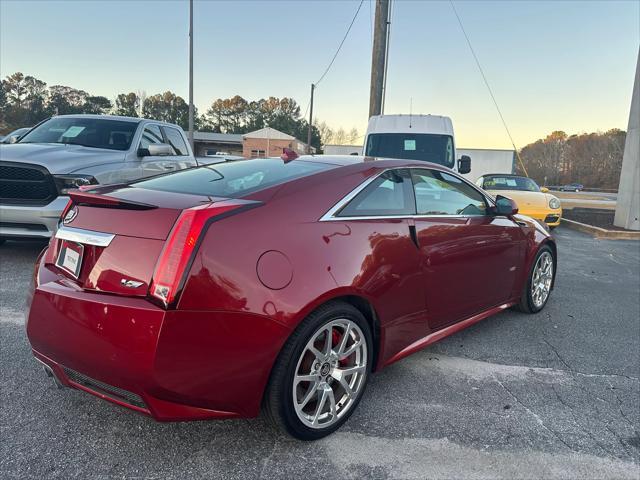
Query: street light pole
pixel 310 120
pixel 191 74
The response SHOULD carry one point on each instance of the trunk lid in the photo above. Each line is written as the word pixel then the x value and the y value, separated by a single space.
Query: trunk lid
pixel 117 233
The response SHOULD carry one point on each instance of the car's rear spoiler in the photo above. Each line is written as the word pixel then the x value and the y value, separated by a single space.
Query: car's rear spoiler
pixel 96 200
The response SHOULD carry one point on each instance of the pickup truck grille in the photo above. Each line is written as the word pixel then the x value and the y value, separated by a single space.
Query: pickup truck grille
pixel 24 184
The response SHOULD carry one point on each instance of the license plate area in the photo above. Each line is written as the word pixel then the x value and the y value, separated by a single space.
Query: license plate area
pixel 70 257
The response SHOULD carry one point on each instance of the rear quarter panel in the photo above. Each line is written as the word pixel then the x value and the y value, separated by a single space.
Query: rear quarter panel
pixel 375 260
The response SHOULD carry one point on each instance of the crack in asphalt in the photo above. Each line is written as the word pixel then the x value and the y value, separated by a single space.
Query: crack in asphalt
pixel 535 416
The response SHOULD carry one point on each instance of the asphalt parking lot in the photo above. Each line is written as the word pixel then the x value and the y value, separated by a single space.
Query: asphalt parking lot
pixel 553 395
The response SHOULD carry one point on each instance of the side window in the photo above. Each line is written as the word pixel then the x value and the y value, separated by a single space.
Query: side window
pixel 151 135
pixel 450 160
pixel 388 194
pixel 174 137
pixel 438 193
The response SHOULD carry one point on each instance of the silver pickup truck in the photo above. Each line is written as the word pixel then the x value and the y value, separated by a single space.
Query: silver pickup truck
pixel 69 151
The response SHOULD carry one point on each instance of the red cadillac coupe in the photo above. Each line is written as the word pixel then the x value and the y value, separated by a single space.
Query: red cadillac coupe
pixel 274 283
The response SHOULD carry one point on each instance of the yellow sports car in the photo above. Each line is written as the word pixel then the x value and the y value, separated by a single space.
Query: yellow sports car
pixel 532 200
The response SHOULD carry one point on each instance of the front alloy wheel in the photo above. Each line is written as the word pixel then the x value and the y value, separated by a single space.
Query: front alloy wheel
pixel 539 283
pixel 542 279
pixel 321 372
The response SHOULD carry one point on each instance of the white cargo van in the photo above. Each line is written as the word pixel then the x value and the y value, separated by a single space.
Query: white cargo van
pixel 416 137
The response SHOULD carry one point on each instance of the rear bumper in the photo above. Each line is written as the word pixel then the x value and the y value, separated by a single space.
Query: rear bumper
pixel 24 221
pixel 171 365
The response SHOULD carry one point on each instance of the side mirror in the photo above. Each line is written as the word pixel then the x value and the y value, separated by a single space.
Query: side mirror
pixel 505 206
pixel 544 189
pixel 464 164
pixel 14 138
pixel 156 150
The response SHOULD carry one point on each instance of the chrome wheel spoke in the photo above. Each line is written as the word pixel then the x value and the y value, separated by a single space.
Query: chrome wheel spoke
pixel 313 390
pixel 351 370
pixel 323 400
pixel 343 340
pixel 312 377
pixel 318 354
pixel 350 351
pixel 327 341
pixel 347 388
pixel 332 403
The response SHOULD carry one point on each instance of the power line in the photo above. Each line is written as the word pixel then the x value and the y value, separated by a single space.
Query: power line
pixel 341 43
pixel 486 82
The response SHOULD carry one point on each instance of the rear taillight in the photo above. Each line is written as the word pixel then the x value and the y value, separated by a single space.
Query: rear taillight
pixel 66 209
pixel 180 246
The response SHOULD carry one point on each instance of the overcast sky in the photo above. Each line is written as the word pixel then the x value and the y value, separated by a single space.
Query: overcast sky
pixel 552 65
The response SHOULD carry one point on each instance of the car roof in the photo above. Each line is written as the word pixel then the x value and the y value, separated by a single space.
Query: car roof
pixel 504 175
pixel 381 162
pixel 107 117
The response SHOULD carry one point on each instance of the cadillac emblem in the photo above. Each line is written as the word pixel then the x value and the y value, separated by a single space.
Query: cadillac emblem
pixel 71 214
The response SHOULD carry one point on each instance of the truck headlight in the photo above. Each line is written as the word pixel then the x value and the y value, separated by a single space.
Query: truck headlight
pixel 554 203
pixel 68 182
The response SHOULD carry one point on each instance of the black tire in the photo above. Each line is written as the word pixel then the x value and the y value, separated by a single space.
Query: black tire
pixel 278 404
pixel 526 304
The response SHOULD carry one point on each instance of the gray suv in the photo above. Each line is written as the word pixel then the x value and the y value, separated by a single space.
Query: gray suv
pixel 69 151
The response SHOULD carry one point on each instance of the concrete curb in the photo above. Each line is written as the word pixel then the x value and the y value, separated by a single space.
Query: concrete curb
pixel 600 232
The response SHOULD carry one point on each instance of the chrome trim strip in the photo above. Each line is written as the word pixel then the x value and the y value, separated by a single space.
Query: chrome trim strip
pixel 88 237
pixel 393 217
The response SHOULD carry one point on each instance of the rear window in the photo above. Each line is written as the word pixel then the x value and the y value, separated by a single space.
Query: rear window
pixel 234 179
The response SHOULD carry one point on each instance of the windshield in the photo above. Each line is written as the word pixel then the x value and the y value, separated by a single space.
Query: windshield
pixel 495 182
pixel 234 179
pixel 88 132
pixel 412 146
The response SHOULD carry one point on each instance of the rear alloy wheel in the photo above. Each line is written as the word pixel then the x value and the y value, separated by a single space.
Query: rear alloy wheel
pixel 539 284
pixel 321 373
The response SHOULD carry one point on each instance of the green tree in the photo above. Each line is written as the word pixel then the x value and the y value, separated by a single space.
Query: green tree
pixel 127 105
pixel 593 159
pixel 65 100
pixel 168 107
pixel 96 105
pixel 35 100
pixel 228 115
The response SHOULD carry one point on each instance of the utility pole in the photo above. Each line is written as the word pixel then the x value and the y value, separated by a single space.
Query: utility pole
pixel 191 75
pixel 378 57
pixel 310 120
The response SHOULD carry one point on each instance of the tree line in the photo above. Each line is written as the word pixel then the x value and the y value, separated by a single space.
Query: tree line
pixel 592 159
pixel 26 100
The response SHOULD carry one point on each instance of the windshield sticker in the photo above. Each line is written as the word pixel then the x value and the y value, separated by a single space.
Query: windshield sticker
pixel 409 145
pixel 73 132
